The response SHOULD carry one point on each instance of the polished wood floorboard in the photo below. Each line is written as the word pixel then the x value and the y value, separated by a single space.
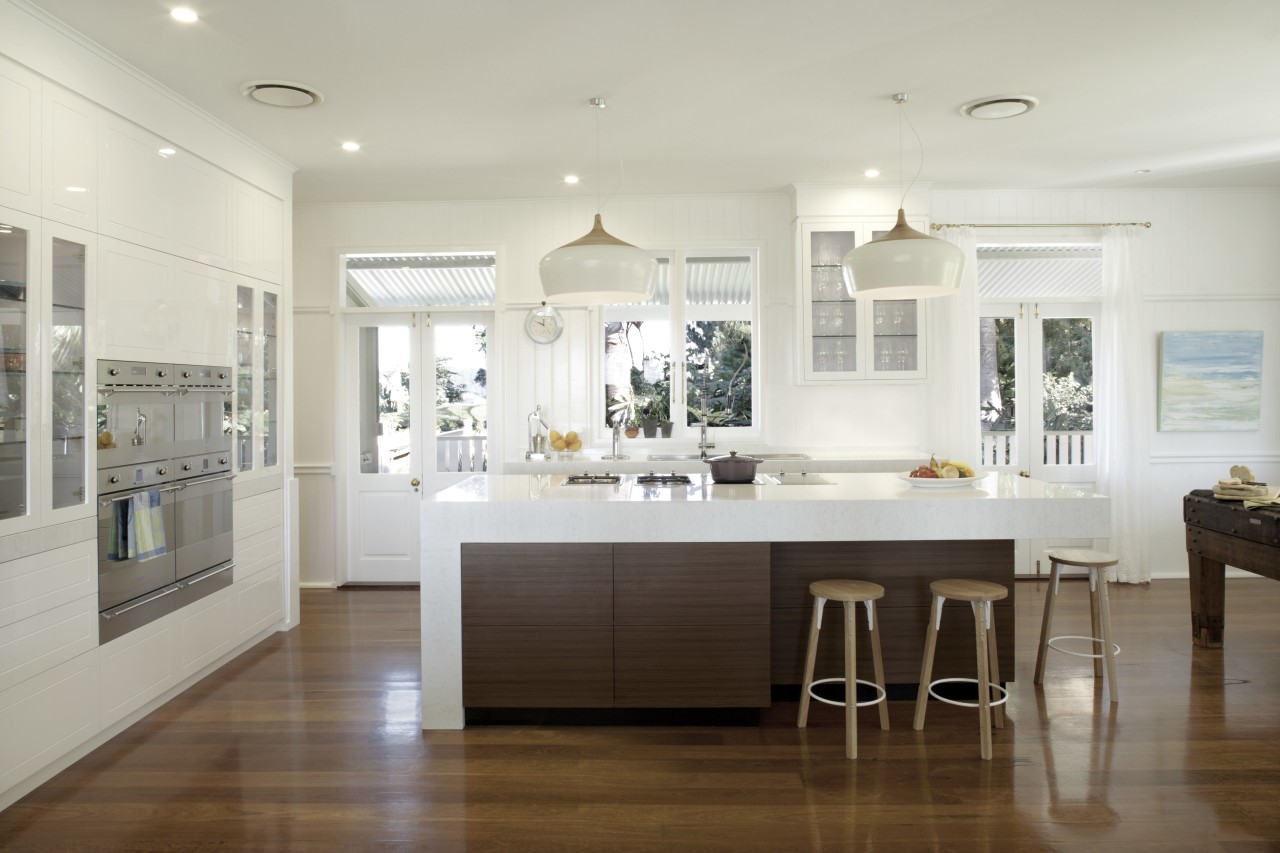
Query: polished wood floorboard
pixel 311 742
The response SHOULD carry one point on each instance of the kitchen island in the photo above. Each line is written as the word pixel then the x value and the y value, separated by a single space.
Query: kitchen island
pixel 852 509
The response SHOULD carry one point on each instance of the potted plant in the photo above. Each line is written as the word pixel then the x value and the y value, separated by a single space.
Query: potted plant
pixel 649 417
pixel 632 429
pixel 661 411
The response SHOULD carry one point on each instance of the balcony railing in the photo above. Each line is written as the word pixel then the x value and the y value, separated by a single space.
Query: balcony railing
pixel 1060 448
pixel 456 451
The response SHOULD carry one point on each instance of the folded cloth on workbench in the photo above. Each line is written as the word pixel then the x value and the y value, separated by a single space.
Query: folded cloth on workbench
pixel 1250 504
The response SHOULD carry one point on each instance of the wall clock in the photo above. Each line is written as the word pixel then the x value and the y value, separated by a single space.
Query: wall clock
pixel 543 324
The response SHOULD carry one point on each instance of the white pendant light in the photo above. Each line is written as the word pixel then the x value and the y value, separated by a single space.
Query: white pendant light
pixel 904 263
pixel 598 268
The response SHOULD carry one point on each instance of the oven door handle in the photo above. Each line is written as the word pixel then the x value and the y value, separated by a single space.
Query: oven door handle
pixel 129 496
pixel 215 478
pixel 228 567
pixel 111 614
pixel 108 390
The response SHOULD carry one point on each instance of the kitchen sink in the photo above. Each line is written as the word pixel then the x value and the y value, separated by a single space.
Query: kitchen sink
pixel 781 455
pixel 694 457
pixel 801 479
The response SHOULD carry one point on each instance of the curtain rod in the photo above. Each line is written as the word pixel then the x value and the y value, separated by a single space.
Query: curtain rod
pixel 938 226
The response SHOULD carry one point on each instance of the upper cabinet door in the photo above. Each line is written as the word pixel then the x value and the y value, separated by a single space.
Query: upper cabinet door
pixel 19 138
pixel 70 159
pixel 138 195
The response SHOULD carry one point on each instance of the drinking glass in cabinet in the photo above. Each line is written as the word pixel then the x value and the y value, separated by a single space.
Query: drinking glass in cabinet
pixel 828 248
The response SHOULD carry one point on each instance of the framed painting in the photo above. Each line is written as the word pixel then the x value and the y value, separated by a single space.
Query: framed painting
pixel 1210 381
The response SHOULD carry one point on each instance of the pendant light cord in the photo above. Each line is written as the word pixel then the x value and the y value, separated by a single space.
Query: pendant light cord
pixel 902 114
pixel 599 104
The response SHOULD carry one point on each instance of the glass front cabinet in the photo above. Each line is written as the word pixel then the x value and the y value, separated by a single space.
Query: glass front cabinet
pixel 255 430
pixel 843 339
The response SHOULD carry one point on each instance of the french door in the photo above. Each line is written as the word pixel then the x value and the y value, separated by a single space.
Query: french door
pixel 1037 391
pixel 416 422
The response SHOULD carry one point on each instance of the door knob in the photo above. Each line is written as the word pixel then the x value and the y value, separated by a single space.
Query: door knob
pixel 1024 473
pixel 415 482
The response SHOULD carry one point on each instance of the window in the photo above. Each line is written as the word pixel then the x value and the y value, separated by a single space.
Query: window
pixel 654 372
pixel 417 279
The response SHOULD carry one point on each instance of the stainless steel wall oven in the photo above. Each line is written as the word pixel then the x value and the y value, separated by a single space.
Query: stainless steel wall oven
pixel 165 535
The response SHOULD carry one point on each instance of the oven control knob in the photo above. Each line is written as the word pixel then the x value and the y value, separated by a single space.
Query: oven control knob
pixel 222 375
pixel 162 373
pixel 162 471
pixel 222 460
pixel 113 479
pixel 186 374
pixel 186 467
pixel 113 371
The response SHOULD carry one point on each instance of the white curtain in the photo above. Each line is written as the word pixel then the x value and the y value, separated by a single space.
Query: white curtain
pixel 1124 407
pixel 957 432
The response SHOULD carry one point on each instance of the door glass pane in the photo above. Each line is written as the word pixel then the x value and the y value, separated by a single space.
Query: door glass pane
pixel 1068 390
pixel 637 371
pixel 66 361
pixel 270 363
pixel 462 412
pixel 997 389
pixel 895 332
pixel 244 428
pixel 385 424
pixel 13 370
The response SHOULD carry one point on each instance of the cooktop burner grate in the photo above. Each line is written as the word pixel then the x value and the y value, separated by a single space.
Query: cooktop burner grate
pixel 673 479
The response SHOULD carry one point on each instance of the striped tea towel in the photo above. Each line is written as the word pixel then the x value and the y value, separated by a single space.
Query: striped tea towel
pixel 146 526
pixel 118 538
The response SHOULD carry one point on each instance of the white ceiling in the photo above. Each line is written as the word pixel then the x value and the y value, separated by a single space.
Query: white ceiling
pixel 474 99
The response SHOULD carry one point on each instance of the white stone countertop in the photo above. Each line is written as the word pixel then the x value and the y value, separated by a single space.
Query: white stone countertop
pixel 853 507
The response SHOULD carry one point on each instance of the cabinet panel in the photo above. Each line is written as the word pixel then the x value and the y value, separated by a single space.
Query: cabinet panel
pixel 206 631
pixel 138 195
pixel 694 583
pixel 137 667
pixel 136 318
pixel 70 158
pixel 21 297
pixel 41 582
pixel 203 226
pixel 259 603
pixel 54 712
pixel 691 666
pixel 43 641
pixel 203 308
pixel 537 667
pixel 535 584
pixel 20 138
pixel 257 552
pixel 258 514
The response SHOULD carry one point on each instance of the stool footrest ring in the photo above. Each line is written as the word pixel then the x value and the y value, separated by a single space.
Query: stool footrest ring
pixel 1096 641
pixel 1004 694
pixel 881 696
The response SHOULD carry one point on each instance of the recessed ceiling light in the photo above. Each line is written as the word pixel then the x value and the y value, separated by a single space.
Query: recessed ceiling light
pixel 167 152
pixel 77 189
pixel 185 15
pixel 1000 106
pixel 1142 171
pixel 281 93
pixel 872 173
pixel 570 179
pixel 351 146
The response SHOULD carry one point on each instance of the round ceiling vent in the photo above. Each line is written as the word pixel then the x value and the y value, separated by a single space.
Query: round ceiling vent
pixel 1002 106
pixel 281 93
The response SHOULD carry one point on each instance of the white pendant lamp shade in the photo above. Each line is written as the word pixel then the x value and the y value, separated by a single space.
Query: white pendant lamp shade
pixel 598 269
pixel 903 264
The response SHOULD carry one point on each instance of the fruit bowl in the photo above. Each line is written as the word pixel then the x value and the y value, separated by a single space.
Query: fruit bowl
pixel 940 483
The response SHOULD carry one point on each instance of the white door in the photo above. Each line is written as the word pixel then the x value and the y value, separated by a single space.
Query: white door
pixel 394 452
pixel 1037 401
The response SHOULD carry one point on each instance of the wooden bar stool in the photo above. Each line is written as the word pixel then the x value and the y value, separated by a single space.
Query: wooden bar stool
pixel 848 593
pixel 1099 614
pixel 979 594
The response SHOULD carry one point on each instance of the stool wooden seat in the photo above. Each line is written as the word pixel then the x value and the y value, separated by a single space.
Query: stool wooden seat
pixel 980 595
pixel 849 593
pixel 1099 614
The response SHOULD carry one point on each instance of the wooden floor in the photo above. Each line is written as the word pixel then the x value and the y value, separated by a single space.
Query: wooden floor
pixel 311 742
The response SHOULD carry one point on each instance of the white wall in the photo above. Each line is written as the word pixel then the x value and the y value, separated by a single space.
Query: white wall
pixel 1212 261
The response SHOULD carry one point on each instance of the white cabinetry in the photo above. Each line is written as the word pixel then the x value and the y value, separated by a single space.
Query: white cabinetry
pixel 257 337
pixel 844 339
pixel 19 138
pixel 70 157
pixel 47 715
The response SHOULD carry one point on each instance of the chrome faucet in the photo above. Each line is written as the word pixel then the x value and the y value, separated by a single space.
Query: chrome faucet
pixel 617 442
pixel 703 443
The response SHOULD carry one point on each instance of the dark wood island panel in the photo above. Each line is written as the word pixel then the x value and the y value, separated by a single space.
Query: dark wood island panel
pixel 905 570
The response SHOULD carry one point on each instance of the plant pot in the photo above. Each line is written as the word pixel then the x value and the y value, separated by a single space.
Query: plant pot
pixel 650 427
pixel 632 431
pixel 664 429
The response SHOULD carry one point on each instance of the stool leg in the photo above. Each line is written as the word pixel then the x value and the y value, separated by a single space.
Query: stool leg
pixel 993 655
pixel 877 661
pixel 1050 599
pixel 1104 605
pixel 984 678
pixel 850 682
pixel 926 668
pixel 1095 617
pixel 815 625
